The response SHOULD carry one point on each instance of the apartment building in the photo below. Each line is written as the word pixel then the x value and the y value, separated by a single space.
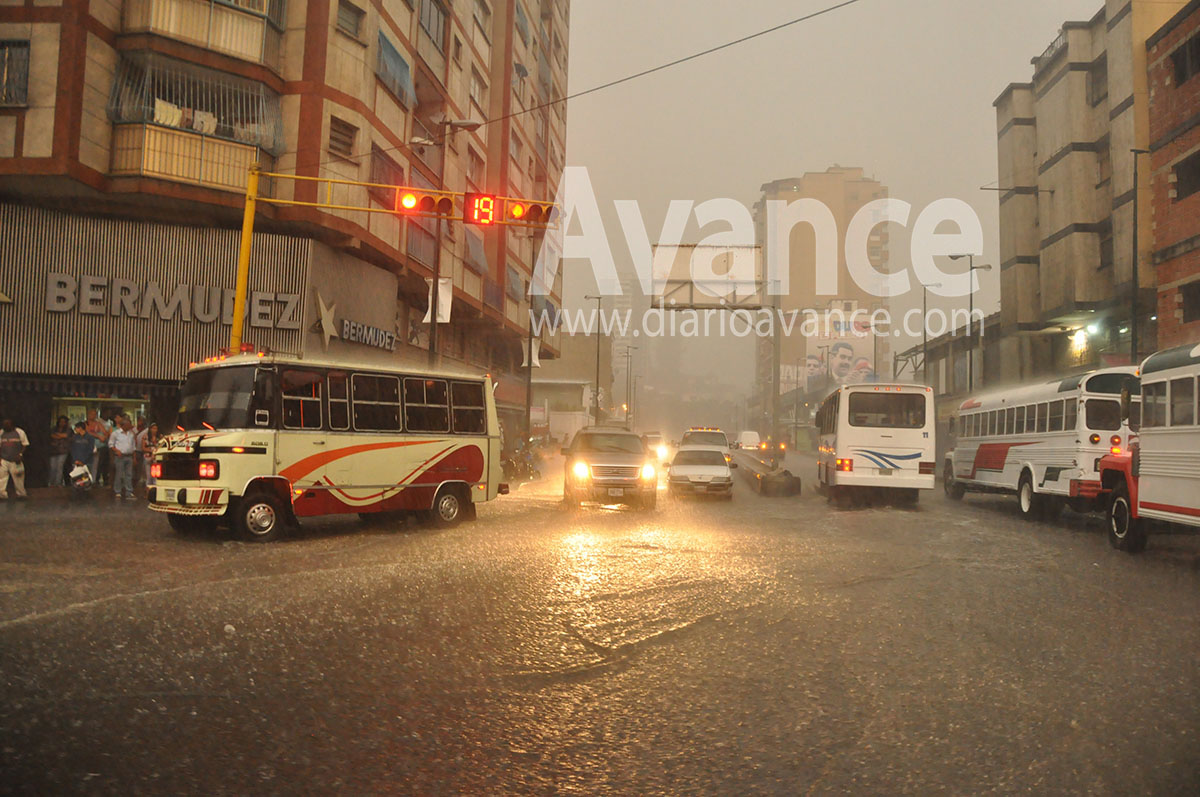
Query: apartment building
pixel 1173 55
pixel 1066 171
pixel 127 130
pixel 846 351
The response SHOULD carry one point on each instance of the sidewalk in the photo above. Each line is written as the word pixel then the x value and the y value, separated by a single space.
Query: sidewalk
pixel 55 494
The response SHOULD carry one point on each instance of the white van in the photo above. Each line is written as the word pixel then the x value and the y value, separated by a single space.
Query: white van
pixel 748 440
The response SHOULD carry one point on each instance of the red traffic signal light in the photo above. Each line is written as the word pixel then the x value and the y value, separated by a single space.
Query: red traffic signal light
pixel 415 202
pixel 479 209
pixel 520 211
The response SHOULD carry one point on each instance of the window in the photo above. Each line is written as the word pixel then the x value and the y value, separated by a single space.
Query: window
pixel 515 147
pixel 1187 176
pixel 887 410
pixel 456 50
pixel 302 399
pixel 1010 420
pixel 1102 415
pixel 992 431
pixel 14 72
pixel 349 18
pixel 1020 420
pixel 1056 416
pixel 341 136
pixel 426 408
pixel 522 22
pixel 339 400
pixel 974 426
pixel 1183 401
pixel 1041 417
pixel 433 22
pixel 470 416
pixel 476 169
pixel 1186 60
pixel 483 17
pixel 514 286
pixel 1071 415
pixel 478 89
pixel 1154 405
pixel 1191 301
pixel 1097 81
pixel 385 171
pixel 376 403
pixel 394 71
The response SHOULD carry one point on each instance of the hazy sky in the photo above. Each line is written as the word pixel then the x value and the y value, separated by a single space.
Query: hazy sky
pixel 903 88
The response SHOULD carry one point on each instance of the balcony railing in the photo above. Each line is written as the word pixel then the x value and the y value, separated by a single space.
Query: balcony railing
pixel 152 151
pixel 240 28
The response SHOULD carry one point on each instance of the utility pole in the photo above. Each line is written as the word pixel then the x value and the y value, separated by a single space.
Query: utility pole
pixel 925 328
pixel 629 384
pixel 971 269
pixel 1133 293
pixel 596 392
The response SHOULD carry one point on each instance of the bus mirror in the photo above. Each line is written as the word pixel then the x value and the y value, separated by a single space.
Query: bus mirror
pixel 262 418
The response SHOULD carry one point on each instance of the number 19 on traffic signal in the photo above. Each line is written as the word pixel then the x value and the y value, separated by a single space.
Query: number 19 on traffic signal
pixel 479 209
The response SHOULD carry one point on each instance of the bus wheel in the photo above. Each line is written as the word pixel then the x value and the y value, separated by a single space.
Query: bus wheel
pixel 192 524
pixel 1125 532
pixel 447 507
pixel 260 518
pixel 954 490
pixel 1029 502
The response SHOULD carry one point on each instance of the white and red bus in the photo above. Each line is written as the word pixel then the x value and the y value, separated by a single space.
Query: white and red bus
pixel 264 440
pixel 877 439
pixel 1159 477
pixel 1042 442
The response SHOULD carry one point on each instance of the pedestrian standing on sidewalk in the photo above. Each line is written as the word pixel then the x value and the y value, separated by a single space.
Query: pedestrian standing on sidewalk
pixel 121 446
pixel 13 443
pixel 148 441
pixel 60 441
pixel 99 431
pixel 82 452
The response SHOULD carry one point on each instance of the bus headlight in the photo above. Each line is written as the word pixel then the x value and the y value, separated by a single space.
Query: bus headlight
pixel 648 472
pixel 580 471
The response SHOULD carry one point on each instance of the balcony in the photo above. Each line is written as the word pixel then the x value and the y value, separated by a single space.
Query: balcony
pixel 148 150
pixel 245 29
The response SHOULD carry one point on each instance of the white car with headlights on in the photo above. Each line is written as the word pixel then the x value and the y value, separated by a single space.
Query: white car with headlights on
pixel 609 466
pixel 700 471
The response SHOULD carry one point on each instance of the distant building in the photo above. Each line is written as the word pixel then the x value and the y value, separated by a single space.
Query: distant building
pixel 563 388
pixel 1173 59
pixel 1066 201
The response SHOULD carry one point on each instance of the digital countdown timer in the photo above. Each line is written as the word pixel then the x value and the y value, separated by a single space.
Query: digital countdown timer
pixel 479 209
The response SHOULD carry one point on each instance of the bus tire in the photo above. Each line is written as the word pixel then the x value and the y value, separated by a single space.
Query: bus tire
pixel 448 506
pixel 1029 503
pixel 260 517
pixel 954 490
pixel 192 524
pixel 1125 532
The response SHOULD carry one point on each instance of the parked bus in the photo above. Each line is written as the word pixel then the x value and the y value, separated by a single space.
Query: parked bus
pixel 876 438
pixel 1042 442
pixel 264 440
pixel 1159 477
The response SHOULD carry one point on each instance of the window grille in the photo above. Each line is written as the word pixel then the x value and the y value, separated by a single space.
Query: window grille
pixel 341 136
pixel 349 18
pixel 153 89
pixel 14 72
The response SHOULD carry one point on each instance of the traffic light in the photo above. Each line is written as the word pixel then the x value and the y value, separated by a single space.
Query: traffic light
pixel 530 214
pixel 418 202
pixel 479 209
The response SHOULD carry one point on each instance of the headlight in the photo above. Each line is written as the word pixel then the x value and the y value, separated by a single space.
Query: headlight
pixel 648 472
pixel 662 452
pixel 580 470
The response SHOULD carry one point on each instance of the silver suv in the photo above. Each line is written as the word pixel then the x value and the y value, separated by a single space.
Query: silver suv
pixel 609 466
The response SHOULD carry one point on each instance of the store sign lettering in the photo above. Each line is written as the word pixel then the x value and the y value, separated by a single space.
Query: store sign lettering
pixel 355 332
pixel 93 295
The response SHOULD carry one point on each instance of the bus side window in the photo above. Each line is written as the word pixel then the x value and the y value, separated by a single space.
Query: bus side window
pixel 468 409
pixel 264 397
pixel 1020 420
pixel 376 403
pixel 1056 416
pixel 1010 420
pixel 302 399
pixel 426 405
pixel 1183 400
pixel 1041 417
pixel 1154 405
pixel 1071 415
pixel 338 396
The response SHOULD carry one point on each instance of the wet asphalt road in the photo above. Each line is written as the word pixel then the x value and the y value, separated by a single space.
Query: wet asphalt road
pixel 756 646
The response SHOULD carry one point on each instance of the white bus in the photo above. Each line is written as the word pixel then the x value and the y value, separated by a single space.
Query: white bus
pixel 1042 442
pixel 263 440
pixel 1159 478
pixel 876 438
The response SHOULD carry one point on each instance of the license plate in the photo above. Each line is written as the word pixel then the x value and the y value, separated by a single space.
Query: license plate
pixel 616 491
pixel 885 471
pixel 701 488
pixel 170 493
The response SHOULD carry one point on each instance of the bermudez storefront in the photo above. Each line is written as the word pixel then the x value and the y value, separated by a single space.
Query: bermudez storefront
pixel 105 315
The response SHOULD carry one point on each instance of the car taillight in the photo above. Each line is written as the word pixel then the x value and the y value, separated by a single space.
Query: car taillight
pixel 209 469
pixel 156 470
pixel 926 467
pixel 762 446
pixel 845 465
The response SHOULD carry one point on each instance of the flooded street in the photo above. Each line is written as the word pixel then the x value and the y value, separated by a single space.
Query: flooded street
pixel 758 645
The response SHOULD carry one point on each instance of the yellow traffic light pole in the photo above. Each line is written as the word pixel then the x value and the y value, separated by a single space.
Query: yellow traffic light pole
pixel 252 199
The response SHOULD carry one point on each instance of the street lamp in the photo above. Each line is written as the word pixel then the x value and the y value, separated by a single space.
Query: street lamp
pixel 971 269
pixel 1133 294
pixel 925 328
pixel 596 394
pixel 629 350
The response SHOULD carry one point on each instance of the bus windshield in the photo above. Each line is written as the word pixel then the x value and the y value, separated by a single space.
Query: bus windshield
pixel 1103 415
pixel 218 397
pixel 887 410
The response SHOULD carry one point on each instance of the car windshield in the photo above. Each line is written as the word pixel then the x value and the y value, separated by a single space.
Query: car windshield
pixel 698 458
pixel 611 443
pixel 887 410
pixel 217 398
pixel 1103 415
pixel 704 439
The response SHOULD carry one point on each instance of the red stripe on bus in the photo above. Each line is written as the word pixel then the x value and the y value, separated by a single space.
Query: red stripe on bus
pixel 1182 510
pixel 992 456
pixel 415 471
pixel 309 464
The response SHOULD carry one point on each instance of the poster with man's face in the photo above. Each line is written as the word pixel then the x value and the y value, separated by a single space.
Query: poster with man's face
pixel 845 357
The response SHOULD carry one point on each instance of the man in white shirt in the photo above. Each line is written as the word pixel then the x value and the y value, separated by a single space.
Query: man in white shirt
pixel 122 443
